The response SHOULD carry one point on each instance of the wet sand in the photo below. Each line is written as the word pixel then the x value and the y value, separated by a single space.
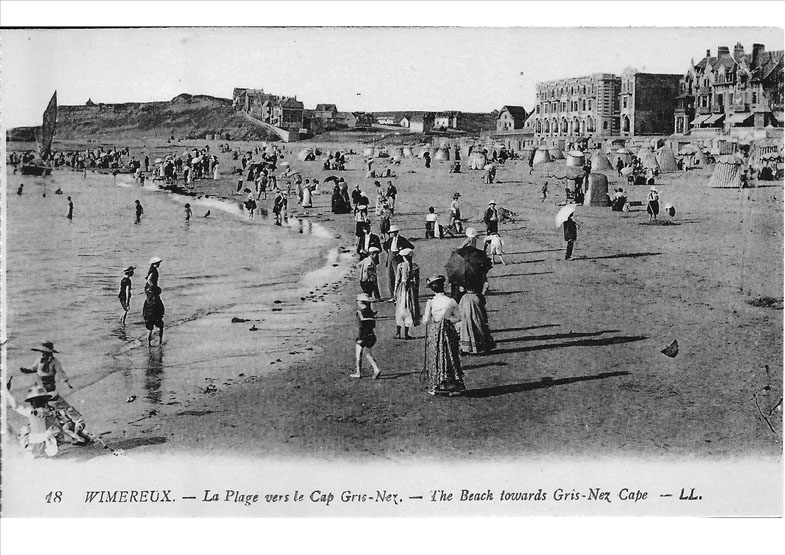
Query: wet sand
pixel 578 369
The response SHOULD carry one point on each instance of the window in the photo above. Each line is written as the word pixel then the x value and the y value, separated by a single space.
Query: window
pixel 754 97
pixel 538 108
pixel 624 102
pixel 605 125
pixel 589 104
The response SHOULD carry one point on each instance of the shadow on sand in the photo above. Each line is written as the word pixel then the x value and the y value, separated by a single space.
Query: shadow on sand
pixel 580 343
pixel 554 336
pixel 623 255
pixel 544 383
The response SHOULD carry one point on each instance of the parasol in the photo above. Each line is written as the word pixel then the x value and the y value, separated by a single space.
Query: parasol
pixel 331 178
pixel 564 213
pixel 626 171
pixel 158 161
pixel 468 267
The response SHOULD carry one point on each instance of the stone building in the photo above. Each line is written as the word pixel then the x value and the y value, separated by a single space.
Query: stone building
pixel 282 111
pixel 647 102
pixel 511 118
pixel 577 107
pixel 731 93
pixel 327 114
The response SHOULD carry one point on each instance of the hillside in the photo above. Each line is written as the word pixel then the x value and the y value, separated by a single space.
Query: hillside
pixel 184 117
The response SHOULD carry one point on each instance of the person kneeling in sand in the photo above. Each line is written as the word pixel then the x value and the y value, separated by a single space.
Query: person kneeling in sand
pixel 366 336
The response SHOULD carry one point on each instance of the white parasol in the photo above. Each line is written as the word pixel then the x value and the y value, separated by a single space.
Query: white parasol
pixel 565 213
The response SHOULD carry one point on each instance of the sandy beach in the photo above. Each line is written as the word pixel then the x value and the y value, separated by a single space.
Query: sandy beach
pixel 577 369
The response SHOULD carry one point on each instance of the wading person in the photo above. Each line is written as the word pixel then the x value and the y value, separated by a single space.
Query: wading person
pixel 366 336
pixel 188 212
pixel 139 212
pixel 151 280
pixel 125 292
pixel 153 313
pixel 70 215
pixel 48 370
pixel 442 366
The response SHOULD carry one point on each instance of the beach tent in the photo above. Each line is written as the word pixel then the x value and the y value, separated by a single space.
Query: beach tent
pixel 477 160
pixel 666 160
pixel 368 151
pixel 600 162
pixel 700 158
pixel 407 152
pixel 727 173
pixel 270 150
pixel 648 158
pixel 575 158
pixel 442 155
pixel 623 154
pixel 541 156
pixel 396 151
pixel 380 152
pixel 424 150
pixel 597 192
pixel 304 153
pixel 556 154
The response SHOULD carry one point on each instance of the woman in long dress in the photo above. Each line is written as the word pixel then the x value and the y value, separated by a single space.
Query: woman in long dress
pixel 475 332
pixel 442 367
pixel 407 283
pixel 380 198
pixel 653 206
pixel 307 199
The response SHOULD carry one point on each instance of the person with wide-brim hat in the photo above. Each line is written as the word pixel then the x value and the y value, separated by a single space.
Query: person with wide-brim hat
pixel 442 368
pixel 392 246
pixel 366 336
pixel 653 203
pixel 471 238
pixel 39 435
pixel 491 218
pixel 369 261
pixel 152 273
pixel 48 370
pixel 125 291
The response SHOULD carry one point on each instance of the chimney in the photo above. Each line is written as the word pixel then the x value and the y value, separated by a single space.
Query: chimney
pixel 722 50
pixel 708 53
pixel 757 54
pixel 738 51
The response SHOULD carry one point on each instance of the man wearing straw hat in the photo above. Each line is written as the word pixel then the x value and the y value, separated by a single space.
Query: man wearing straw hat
pixel 392 247
pixel 47 368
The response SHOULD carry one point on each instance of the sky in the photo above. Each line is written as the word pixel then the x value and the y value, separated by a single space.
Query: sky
pixel 468 68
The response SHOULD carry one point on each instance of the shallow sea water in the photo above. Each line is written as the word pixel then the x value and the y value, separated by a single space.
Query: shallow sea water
pixel 63 279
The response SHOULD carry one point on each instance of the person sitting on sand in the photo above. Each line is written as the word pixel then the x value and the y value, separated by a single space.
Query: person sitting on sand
pixel 366 336
pixel 39 435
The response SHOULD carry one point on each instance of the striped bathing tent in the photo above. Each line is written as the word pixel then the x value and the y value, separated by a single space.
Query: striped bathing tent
pixel 597 192
pixel 600 162
pixel 575 158
pixel 368 151
pixel 541 156
pixel 407 152
pixel 648 158
pixel 666 160
pixel 727 173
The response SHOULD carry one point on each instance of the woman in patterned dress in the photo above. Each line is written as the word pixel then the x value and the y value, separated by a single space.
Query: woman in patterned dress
pixel 442 367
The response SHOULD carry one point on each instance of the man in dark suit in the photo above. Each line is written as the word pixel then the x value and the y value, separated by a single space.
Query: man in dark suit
pixel 392 247
pixel 368 240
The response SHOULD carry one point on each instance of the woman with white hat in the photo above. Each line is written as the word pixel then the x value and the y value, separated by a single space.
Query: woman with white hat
pixel 653 206
pixel 152 273
pixel 39 435
pixel 366 336
pixel 471 238
pixel 407 284
pixel 442 368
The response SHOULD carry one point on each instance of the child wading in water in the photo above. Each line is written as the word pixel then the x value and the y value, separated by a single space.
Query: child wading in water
pixel 366 336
